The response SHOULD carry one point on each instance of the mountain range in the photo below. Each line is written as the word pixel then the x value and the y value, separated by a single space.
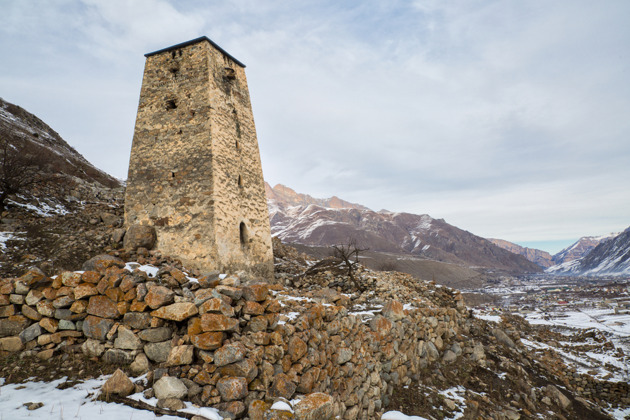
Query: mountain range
pixel 300 219
pixel 320 223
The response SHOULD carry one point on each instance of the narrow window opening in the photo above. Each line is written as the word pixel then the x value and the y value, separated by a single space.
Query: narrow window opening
pixel 180 52
pixel 173 53
pixel 237 123
pixel 172 174
pixel 243 234
pixel 237 145
pixel 240 182
pixel 170 104
pixel 229 73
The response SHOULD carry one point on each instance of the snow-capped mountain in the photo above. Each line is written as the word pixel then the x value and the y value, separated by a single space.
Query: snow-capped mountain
pixel 384 231
pixel 580 248
pixel 611 256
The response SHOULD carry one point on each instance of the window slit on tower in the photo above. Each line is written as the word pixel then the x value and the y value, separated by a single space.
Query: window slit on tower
pixel 243 234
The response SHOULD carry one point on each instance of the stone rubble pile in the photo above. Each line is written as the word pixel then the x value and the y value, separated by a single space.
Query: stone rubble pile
pixel 238 345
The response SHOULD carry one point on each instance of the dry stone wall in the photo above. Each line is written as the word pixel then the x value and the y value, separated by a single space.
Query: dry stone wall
pixel 237 347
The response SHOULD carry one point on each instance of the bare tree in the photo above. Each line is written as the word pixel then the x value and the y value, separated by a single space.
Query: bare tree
pixel 20 167
pixel 346 253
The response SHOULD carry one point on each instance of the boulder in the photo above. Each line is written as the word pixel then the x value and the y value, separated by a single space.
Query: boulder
pixel 169 387
pixel 11 344
pixel 282 387
pixel 127 340
pixel 297 348
pixel 344 355
pixel 180 355
pixel 159 296
pixel 84 290
pixel 503 338
pixel 103 307
pixel 118 384
pixel 31 333
pixel 176 312
pixel 316 406
pixel 218 322
pixel 155 335
pixel 138 320
pixel 158 352
pixel 171 404
pixel 96 327
pixel 93 348
pixel 229 353
pixel 101 263
pixel 117 357
pixel 232 388
pixel 393 310
pixel 207 341
pixel 256 292
pixel 139 236
pixel 140 365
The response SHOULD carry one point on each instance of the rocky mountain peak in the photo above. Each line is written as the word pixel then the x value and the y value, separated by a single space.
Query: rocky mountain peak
pixel 283 196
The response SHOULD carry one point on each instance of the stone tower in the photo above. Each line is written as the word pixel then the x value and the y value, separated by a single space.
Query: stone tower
pixel 195 172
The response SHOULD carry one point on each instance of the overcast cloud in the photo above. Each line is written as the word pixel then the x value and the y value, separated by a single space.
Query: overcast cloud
pixel 507 119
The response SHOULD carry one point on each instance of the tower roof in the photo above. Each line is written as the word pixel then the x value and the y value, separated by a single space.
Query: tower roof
pixel 194 41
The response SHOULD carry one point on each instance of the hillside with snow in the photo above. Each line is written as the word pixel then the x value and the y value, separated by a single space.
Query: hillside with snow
pixel 580 248
pixel 610 257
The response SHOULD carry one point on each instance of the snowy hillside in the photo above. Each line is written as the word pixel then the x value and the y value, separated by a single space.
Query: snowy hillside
pixel 580 248
pixel 611 256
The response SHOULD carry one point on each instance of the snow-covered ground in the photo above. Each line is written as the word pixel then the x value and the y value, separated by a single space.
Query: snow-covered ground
pixel 77 402
pixel 42 208
pixel 609 364
pixel 8 236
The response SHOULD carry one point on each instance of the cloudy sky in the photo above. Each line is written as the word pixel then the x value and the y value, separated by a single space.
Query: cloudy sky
pixel 508 119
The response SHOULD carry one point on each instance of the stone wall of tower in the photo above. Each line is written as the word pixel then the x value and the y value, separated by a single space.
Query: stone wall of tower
pixel 194 138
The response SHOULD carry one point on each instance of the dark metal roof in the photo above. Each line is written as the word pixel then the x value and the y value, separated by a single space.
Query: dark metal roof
pixel 194 41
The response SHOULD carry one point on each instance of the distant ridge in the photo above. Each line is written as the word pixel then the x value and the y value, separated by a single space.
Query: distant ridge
pixel 537 256
pixel 301 219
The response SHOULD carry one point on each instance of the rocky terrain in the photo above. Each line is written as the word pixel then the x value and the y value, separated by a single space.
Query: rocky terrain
pixel 69 216
pixel 310 342
pixel 542 258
